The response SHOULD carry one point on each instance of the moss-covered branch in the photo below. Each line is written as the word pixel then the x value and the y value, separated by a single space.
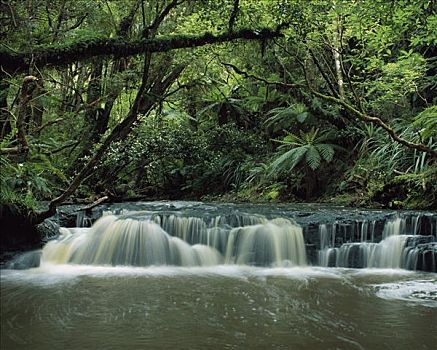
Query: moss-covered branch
pixel 118 47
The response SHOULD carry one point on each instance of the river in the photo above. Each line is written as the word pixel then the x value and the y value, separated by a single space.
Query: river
pixel 241 289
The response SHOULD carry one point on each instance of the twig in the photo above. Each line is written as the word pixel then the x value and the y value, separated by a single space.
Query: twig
pixel 94 204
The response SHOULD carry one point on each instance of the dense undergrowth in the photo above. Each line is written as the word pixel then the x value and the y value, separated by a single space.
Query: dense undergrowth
pixel 281 120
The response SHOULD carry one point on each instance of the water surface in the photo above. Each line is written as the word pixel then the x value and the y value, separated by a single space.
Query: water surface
pixel 220 307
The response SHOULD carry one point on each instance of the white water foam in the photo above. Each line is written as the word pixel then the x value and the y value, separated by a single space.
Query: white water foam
pixel 423 292
pixel 60 273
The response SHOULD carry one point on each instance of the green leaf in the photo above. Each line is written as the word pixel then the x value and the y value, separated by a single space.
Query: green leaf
pixel 302 117
pixel 288 160
pixel 326 151
pixel 427 120
pixel 313 158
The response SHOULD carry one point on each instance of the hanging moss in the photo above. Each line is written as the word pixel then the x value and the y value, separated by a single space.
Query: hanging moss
pixel 58 55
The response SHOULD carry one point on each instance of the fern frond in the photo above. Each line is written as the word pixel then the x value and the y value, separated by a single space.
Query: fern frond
pixel 278 113
pixel 312 157
pixel 325 136
pixel 288 160
pixel 326 151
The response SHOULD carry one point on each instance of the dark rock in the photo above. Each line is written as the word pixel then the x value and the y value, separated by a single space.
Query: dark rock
pixel 425 257
pixel 311 251
pixel 355 257
pixel 76 216
pixel 16 231
pixel 48 230
pixel 428 225
pixel 311 234
pixel 25 260
pixel 416 240
pixel 302 215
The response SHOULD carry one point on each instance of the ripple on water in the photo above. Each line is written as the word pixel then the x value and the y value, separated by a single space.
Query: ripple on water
pixel 423 292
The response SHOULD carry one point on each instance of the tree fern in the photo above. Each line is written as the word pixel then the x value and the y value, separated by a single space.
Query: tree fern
pixel 283 117
pixel 308 146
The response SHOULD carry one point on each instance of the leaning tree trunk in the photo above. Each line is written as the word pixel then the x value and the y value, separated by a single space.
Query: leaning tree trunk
pixel 145 100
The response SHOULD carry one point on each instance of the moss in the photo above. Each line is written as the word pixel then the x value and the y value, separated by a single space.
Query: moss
pixel 345 199
pixel 92 46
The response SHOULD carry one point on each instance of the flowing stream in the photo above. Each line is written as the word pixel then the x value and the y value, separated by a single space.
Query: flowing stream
pixel 184 276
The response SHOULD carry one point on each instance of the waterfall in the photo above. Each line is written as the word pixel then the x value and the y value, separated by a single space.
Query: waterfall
pixel 179 241
pixel 416 224
pixel 397 248
pixel 167 235
pixel 326 254
pixel 82 220
pixel 274 243
pixel 389 253
pixel 394 227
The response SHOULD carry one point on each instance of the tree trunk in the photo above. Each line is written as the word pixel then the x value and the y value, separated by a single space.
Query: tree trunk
pixel 5 116
pixel 144 102
pixel 26 94
pixel 337 56
pixel 35 111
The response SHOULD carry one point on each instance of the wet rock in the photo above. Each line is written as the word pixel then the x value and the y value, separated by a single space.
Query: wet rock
pixel 417 240
pixel 427 225
pixel 66 215
pixel 302 215
pixel 48 230
pixel 76 216
pixel 16 231
pixel 311 234
pixel 354 257
pixel 311 252
pixel 25 260
pixel 425 257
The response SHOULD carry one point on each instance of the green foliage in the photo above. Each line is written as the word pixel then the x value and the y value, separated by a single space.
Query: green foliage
pixel 258 135
pixel 23 184
pixel 396 81
pixel 427 122
pixel 418 189
pixel 284 117
pixel 229 150
pixel 310 147
pixel 389 173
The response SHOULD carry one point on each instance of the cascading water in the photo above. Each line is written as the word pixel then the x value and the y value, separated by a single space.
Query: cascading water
pixel 82 220
pixel 185 236
pixel 180 241
pixel 397 249
pixel 275 243
pixel 394 227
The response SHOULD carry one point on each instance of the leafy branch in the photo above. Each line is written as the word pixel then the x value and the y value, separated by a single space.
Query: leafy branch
pixel 350 108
